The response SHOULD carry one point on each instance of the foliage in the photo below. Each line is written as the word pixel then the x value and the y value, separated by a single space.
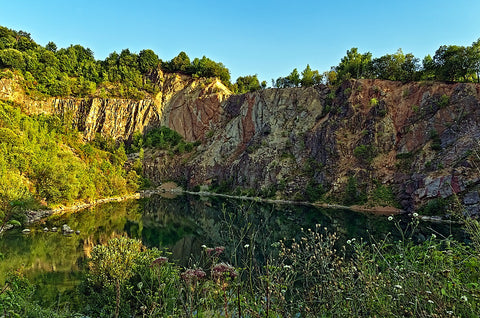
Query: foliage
pixel 160 138
pixel 382 195
pixel 16 300
pixel 74 70
pixel 317 275
pixel 396 67
pixel 354 65
pixel 365 153
pixel 43 160
pixel 245 84
pixel 353 194
pixel 309 77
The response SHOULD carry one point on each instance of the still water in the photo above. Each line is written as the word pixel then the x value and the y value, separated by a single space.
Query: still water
pixel 56 263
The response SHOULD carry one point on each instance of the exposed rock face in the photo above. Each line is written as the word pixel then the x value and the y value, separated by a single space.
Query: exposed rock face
pixel 416 138
pixel 188 106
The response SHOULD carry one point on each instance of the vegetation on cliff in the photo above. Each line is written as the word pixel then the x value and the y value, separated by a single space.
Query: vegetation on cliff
pixel 74 71
pixel 44 161
pixel 451 63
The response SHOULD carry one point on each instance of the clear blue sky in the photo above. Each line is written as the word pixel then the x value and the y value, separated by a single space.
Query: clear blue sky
pixel 268 38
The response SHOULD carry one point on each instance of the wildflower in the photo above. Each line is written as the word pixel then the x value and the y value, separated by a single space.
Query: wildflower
pixel 246 246
pixel 398 286
pixel 209 250
pixel 449 312
pixel 415 215
pixel 222 269
pixel 204 246
pixel 434 236
pixel 390 218
pixel 431 301
pixel 349 242
pixel 159 261
pixel 219 250
pixel 191 275
pixel 199 273
pixel 464 298
pixel 287 266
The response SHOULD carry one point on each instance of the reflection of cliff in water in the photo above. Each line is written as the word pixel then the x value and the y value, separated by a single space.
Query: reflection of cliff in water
pixel 187 222
pixel 183 225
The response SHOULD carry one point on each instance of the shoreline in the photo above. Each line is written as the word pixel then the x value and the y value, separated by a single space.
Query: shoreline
pixel 171 190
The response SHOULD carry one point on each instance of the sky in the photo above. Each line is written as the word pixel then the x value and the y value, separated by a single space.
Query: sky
pixel 267 38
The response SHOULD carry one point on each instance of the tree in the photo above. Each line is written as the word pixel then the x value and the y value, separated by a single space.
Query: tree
pixel 52 47
pixel 310 77
pixel 12 58
pixel 395 67
pixel 354 65
pixel 247 83
pixel 294 78
pixel 180 63
pixel 451 63
pixel 147 61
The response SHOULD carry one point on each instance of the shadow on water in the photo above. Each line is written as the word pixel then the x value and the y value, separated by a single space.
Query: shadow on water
pixel 55 262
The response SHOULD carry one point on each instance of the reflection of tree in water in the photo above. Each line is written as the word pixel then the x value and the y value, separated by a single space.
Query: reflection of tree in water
pixel 246 229
pixel 186 223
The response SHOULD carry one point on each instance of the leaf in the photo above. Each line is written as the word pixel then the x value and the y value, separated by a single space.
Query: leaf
pixel 14 223
pixel 444 293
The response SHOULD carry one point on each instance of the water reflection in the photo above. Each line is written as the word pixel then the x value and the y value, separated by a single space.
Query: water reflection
pixel 182 225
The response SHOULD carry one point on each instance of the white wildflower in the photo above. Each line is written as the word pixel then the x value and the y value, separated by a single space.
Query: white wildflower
pixel 246 245
pixel 349 242
pixel 398 286
pixel 431 301
pixel 464 298
pixel 415 215
pixel 390 218
pixel 204 246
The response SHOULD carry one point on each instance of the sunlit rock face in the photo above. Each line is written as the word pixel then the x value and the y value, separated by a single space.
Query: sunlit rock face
pixel 190 106
pixel 414 138
pixel 418 139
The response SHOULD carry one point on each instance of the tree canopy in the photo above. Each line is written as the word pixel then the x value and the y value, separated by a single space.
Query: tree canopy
pixel 75 71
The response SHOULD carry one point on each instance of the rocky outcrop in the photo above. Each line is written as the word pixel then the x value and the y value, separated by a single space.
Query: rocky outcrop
pixel 416 139
pixel 190 106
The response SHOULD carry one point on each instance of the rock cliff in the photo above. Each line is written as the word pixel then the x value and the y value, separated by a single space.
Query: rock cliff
pixel 368 139
pixel 184 104
pixel 415 140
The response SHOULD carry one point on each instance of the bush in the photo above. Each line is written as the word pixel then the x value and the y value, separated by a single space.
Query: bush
pixel 365 153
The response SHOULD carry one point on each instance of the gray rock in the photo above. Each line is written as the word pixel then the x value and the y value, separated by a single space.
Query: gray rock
pixel 66 229
pixel 471 198
pixel 472 210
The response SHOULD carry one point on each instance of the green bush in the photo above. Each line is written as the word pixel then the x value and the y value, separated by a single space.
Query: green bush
pixel 365 153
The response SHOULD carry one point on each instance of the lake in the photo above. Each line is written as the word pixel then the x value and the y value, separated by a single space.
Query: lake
pixel 56 263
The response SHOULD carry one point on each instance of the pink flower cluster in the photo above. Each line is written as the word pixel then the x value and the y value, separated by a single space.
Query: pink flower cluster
pixel 223 269
pixel 215 251
pixel 159 261
pixel 191 275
